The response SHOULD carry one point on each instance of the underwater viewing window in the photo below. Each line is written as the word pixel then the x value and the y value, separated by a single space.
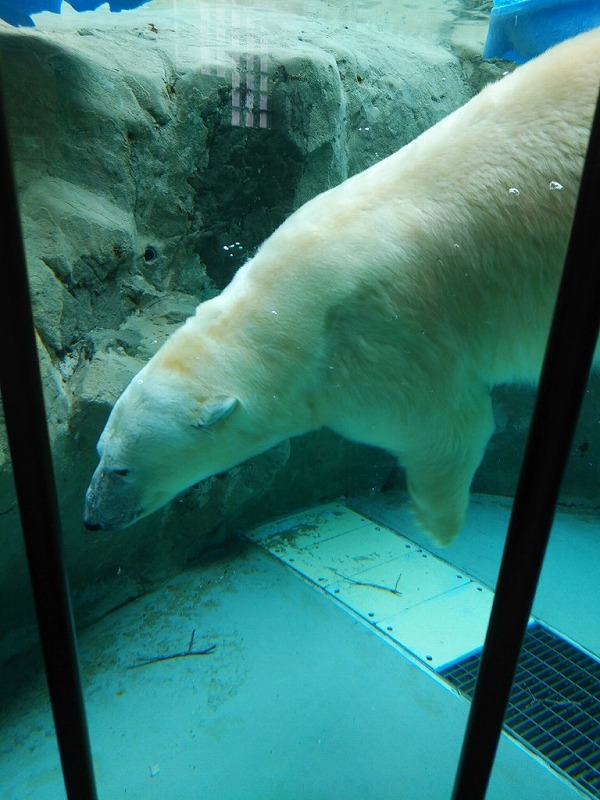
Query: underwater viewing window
pixel 277 487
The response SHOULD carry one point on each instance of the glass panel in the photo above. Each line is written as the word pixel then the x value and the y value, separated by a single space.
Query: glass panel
pixel 29 759
pixel 155 150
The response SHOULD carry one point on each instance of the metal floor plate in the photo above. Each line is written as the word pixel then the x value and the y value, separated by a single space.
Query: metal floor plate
pixel 419 601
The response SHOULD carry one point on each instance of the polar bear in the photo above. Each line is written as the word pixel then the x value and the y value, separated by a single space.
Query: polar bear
pixel 384 309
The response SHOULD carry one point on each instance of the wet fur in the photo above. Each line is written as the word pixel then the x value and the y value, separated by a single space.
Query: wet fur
pixel 385 309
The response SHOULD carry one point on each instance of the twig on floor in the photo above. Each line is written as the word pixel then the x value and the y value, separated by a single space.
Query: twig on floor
pixel 395 590
pixel 188 652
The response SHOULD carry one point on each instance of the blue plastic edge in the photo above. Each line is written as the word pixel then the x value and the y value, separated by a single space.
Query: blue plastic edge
pixel 18 12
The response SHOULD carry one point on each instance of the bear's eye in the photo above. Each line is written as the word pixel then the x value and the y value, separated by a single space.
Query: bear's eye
pixel 121 472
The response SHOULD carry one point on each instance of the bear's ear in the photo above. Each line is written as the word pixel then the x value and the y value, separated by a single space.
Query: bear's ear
pixel 214 409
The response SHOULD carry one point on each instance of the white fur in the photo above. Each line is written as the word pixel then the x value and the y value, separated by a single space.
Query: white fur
pixel 385 308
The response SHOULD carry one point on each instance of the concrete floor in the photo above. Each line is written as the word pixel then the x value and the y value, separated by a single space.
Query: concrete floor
pixel 301 699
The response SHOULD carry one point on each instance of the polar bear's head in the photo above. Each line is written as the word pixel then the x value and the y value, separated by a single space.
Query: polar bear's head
pixel 161 437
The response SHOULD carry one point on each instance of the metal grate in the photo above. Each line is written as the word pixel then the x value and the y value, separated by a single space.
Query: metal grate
pixel 554 706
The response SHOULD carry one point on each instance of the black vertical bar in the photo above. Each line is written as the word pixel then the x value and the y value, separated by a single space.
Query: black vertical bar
pixel 563 382
pixel 22 398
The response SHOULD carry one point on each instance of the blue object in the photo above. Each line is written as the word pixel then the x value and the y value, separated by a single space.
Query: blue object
pixel 18 12
pixel 522 29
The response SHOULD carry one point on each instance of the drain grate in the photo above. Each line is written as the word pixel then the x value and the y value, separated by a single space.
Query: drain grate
pixel 554 705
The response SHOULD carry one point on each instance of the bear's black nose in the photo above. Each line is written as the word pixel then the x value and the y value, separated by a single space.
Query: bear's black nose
pixel 92 526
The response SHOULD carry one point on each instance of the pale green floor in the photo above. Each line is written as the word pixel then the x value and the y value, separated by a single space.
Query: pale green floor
pixel 301 699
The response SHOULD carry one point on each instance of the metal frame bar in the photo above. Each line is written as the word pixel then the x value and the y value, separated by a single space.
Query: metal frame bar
pixel 563 382
pixel 23 402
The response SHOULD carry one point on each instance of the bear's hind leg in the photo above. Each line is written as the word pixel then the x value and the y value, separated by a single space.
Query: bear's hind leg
pixel 440 471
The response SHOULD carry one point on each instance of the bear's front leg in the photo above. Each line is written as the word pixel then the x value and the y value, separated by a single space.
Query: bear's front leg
pixel 441 466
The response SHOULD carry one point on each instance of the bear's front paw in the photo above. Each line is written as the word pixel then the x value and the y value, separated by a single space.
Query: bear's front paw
pixel 443 526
